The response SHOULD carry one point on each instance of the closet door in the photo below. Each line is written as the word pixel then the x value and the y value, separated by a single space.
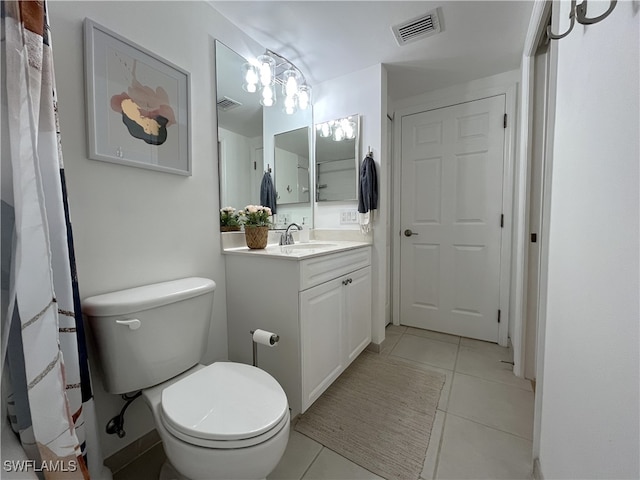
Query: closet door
pixel 451 206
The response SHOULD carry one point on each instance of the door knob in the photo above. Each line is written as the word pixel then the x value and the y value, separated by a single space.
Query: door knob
pixel 408 232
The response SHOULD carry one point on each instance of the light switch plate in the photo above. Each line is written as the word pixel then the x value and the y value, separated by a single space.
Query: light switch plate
pixel 348 217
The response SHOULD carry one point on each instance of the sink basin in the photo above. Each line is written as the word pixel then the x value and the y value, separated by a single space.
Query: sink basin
pixel 308 246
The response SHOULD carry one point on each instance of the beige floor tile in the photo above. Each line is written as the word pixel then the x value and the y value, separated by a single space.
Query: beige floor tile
pixel 331 466
pixel 473 451
pixel 488 364
pixel 390 341
pixel 443 337
pixel 300 453
pixel 433 450
pixel 488 347
pixel 425 350
pixel 145 467
pixel 492 404
pixel 395 329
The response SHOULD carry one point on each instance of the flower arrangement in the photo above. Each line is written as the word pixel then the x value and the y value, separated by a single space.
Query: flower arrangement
pixel 255 216
pixel 229 217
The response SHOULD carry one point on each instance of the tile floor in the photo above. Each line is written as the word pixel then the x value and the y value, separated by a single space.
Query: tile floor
pixel 483 426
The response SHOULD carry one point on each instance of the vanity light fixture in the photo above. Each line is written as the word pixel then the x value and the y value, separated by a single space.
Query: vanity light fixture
pixel 342 129
pixel 271 70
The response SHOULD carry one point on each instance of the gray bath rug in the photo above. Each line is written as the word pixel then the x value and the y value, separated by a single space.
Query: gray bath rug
pixel 378 414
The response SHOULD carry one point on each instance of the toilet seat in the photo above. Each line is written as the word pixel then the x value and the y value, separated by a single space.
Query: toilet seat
pixel 225 405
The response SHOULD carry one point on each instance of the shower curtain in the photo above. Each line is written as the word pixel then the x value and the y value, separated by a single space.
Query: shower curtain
pixel 50 400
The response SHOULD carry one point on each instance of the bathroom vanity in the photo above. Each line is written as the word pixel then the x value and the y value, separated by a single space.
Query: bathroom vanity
pixel 316 296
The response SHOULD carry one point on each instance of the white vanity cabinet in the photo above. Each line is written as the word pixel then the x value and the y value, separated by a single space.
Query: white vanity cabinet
pixel 320 306
pixel 335 326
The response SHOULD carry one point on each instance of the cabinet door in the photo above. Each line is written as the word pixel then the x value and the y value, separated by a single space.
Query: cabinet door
pixel 321 313
pixel 358 312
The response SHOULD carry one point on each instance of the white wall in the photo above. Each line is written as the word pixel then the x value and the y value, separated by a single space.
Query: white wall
pixel 589 423
pixel 363 92
pixel 135 226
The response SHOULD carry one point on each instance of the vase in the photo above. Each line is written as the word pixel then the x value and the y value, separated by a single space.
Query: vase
pixel 256 237
pixel 230 228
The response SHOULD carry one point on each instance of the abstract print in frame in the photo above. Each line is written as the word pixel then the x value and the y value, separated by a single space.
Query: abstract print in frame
pixel 137 104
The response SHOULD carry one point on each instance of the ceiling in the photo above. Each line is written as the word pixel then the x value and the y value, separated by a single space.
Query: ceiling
pixel 328 39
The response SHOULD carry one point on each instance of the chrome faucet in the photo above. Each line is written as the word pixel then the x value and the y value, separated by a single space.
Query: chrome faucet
pixel 287 237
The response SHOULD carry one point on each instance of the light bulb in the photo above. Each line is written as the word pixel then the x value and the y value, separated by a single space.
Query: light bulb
pixel 325 130
pixel 250 75
pixel 304 97
pixel 290 83
pixel 289 105
pixel 268 96
pixel 267 70
pixel 338 133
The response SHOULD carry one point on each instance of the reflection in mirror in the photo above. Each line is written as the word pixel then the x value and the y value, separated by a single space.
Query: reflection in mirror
pixel 246 134
pixel 292 166
pixel 337 154
pixel 239 133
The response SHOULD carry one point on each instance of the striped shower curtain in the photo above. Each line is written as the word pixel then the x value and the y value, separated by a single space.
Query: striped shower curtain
pixel 43 345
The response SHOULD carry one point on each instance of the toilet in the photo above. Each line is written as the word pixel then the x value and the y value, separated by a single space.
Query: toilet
pixel 222 421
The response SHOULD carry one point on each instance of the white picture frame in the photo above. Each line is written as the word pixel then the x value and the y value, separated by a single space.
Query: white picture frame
pixel 138 104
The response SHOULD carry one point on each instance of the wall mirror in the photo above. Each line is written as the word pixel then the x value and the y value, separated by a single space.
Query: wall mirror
pixel 247 133
pixel 291 159
pixel 337 154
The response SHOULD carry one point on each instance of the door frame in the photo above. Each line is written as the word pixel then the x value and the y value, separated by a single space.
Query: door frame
pixel 502 84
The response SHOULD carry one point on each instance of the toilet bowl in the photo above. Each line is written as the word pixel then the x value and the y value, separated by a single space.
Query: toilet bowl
pixel 225 420
pixel 222 421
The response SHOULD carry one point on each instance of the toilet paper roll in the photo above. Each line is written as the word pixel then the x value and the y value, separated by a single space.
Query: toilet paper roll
pixel 263 337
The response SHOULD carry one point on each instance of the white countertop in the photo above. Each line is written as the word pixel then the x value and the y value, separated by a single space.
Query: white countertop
pixel 299 250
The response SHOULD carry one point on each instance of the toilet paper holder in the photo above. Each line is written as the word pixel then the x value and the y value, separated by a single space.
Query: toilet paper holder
pixel 265 338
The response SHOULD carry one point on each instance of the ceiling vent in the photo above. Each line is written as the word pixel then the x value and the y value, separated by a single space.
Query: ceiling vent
pixel 227 104
pixel 417 28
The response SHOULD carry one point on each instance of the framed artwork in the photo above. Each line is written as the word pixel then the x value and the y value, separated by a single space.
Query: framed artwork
pixel 137 104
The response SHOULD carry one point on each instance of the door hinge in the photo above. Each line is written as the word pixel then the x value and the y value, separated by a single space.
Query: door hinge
pixel 502 220
pixel 499 312
pixel 505 120
pixel 255 165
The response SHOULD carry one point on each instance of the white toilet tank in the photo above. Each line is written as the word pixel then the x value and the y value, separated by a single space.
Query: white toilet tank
pixel 148 334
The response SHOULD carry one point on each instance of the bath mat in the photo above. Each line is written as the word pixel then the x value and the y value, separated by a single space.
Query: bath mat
pixel 378 414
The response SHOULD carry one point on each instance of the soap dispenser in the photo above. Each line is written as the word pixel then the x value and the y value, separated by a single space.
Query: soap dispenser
pixel 304 233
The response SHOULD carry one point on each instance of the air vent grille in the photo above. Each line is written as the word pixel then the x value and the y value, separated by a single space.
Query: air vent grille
pixel 227 104
pixel 417 28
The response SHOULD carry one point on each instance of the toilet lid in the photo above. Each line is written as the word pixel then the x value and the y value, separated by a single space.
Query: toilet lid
pixel 224 401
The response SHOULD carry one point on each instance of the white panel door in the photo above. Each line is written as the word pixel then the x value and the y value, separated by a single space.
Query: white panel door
pixel 451 201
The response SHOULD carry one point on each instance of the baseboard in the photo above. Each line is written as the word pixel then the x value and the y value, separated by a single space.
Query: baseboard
pixel 537 471
pixel 128 454
pixel 375 347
